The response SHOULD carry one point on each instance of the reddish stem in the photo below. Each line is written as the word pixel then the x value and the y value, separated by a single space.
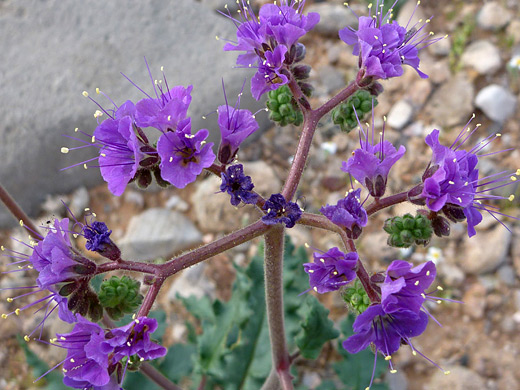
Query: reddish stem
pixel 273 266
pixel 382 203
pixel 18 213
pixel 203 253
pixel 150 297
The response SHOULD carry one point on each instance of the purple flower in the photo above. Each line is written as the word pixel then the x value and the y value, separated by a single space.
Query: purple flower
pixel 119 152
pixel 348 213
pixel 98 240
pixel 235 126
pixel 55 259
pixel 281 211
pixel 331 270
pixel 276 24
pixel 184 155
pixel 166 110
pixel 371 163
pixel 95 355
pixel 384 46
pixel 269 75
pixel 404 286
pixel 270 41
pixel 451 184
pixel 238 185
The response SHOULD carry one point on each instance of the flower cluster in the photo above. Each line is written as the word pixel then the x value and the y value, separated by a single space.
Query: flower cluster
pixel 451 184
pixel 348 213
pixel 271 41
pixel 98 358
pixel 371 163
pixel 331 270
pixel 235 126
pixel 238 185
pixel 63 276
pixel 279 210
pixel 126 154
pixel 400 315
pixel 384 46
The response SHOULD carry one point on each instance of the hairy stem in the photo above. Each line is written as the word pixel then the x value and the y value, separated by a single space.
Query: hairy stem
pixel 380 204
pixel 311 119
pixel 151 296
pixel 272 382
pixel 218 246
pixel 273 266
pixel 18 213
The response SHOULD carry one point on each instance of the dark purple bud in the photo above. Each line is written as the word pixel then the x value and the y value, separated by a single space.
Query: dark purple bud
pixel 441 226
pixel 148 149
pixel 415 195
pixel 306 88
pixel 225 154
pixel 355 232
pixel 301 72
pixel 158 178
pixel 379 187
pixel 375 89
pixel 68 289
pixel 429 172
pixel 453 212
pixel 300 52
pixel 143 178
pixel 377 278
pixel 149 161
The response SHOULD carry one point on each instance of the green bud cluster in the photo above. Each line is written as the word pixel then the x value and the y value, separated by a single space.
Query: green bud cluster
pixel 120 296
pixel 359 103
pixel 283 109
pixel 408 230
pixel 356 297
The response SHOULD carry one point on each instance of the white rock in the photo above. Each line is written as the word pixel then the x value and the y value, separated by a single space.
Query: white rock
pixel 192 281
pixel 333 17
pixel 493 16
pixel 400 114
pixel 158 233
pixel 482 56
pixel 496 102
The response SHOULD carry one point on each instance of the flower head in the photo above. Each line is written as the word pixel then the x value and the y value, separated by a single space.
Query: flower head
pixel 281 211
pixel 98 240
pixel 238 185
pixel 166 110
pixel 95 356
pixel 331 270
pixel 184 155
pixel 405 285
pixel 452 185
pixel 55 259
pixel 384 46
pixel 348 213
pixel 371 163
pixel 271 41
pixel 235 126
pixel 270 74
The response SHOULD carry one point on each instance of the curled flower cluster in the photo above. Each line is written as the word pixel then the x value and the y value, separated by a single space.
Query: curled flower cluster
pixel 98 358
pixel 271 41
pixel 63 277
pixel 451 184
pixel 384 46
pixel 126 154
pixel 399 316
pixel 348 213
pixel 331 270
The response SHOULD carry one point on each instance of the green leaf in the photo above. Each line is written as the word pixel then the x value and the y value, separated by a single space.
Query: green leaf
pixel 316 328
